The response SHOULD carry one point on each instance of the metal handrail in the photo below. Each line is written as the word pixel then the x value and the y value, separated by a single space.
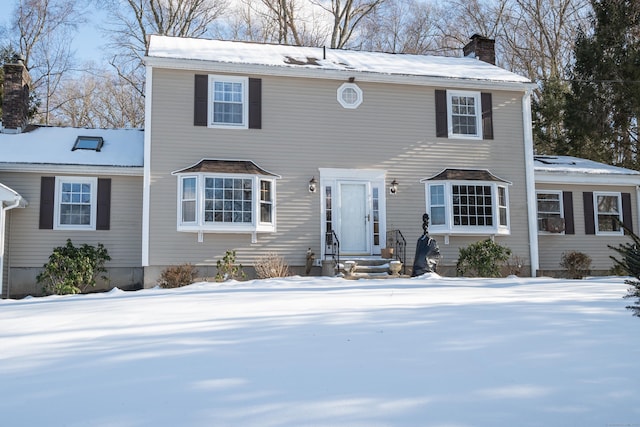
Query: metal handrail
pixel 332 247
pixel 396 240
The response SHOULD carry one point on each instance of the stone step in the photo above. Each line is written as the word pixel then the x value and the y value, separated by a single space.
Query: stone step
pixel 368 268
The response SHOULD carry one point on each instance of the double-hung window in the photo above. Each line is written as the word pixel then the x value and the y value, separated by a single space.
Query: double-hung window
pixel 475 207
pixel 464 114
pixel 228 100
pixel 75 203
pixel 550 211
pixel 608 212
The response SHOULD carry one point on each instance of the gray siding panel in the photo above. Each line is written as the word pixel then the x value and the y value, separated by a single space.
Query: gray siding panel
pixel 305 128
pixel 31 247
pixel 596 246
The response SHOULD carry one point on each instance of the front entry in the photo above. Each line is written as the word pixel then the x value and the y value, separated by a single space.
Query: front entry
pixel 353 209
pixel 354 218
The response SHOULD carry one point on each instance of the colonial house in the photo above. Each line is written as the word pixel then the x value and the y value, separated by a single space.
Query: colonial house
pixel 264 148
pixel 261 149
pixel 65 183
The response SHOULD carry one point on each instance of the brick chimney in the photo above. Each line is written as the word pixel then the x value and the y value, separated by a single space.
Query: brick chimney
pixel 482 48
pixel 15 105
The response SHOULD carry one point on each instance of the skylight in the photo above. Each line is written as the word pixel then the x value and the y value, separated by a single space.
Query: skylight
pixel 88 143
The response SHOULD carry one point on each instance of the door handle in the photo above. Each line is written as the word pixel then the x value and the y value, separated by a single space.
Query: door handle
pixel 368 217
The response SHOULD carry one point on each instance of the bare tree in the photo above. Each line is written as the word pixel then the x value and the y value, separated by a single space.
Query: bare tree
pixel 400 26
pixel 44 30
pixel 100 100
pixel 140 18
pixel 346 15
pixel 539 36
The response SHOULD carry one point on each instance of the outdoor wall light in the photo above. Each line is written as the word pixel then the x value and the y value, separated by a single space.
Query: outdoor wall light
pixel 313 183
pixel 393 189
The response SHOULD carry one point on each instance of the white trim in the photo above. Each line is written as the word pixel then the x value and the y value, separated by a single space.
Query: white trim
pixel 448 228
pixel 60 180
pixel 530 177
pixel 546 177
pixel 374 178
pixel 200 226
pixel 478 114
pixel 146 182
pixel 356 89
pixel 329 74
pixel 17 202
pixel 213 78
pixel 73 169
pixel 596 212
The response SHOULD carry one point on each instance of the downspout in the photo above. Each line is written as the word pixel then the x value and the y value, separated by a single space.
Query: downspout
pixel 3 215
pixel 146 185
pixel 530 182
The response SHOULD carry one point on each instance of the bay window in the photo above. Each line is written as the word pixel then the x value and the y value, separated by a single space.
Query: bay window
pixel 463 206
pixel 213 197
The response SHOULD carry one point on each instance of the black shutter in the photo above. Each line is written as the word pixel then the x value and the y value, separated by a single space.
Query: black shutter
pixel 442 130
pixel 47 197
pixel 589 219
pixel 103 213
pixel 627 218
pixel 255 103
pixel 201 100
pixel 567 205
pixel 487 116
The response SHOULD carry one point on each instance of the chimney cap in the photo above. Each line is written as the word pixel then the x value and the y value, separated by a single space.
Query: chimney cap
pixel 17 58
pixel 479 36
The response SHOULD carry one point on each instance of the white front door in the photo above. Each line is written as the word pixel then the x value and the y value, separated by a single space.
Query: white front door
pixel 354 218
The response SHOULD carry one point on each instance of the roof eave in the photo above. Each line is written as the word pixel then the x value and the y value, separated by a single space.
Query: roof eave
pixel 73 169
pixel 330 74
pixel 565 177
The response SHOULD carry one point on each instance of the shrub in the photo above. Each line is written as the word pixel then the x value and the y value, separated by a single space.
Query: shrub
pixel 72 270
pixel 630 263
pixel 271 265
pixel 482 259
pixel 178 276
pixel 227 268
pixel 515 265
pixel 576 263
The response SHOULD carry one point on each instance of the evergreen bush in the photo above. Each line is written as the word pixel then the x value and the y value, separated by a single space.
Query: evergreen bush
pixel 482 259
pixel 227 268
pixel 630 263
pixel 72 270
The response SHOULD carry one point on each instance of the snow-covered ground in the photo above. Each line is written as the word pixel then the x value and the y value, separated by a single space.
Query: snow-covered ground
pixel 426 351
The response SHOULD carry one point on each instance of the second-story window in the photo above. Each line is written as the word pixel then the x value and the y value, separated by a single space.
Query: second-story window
pixel 465 120
pixel 228 99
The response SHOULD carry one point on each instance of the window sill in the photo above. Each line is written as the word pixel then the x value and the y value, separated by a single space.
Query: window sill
pixel 226 229
pixel 470 231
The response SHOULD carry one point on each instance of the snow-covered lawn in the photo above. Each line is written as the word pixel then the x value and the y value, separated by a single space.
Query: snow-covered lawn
pixel 426 351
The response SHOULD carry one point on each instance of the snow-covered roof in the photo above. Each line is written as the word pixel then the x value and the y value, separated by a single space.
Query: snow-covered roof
pixel 318 58
pixel 568 169
pixel 45 147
